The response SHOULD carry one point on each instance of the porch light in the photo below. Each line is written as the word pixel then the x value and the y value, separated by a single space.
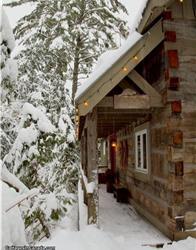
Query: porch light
pixel 181 1
pixel 114 144
pixel 125 69
pixel 135 57
pixel 86 104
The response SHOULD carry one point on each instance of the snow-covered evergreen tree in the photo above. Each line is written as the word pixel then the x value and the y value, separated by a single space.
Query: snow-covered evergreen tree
pixel 43 154
pixel 66 37
pixel 92 28
pixel 8 86
pixel 12 222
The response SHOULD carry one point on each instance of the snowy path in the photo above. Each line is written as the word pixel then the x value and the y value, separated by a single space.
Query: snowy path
pixel 120 229
pixel 121 220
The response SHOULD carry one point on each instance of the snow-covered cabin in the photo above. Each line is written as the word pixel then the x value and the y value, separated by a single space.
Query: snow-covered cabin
pixel 139 107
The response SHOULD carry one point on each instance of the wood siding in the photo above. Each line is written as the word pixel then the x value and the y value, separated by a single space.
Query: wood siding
pixel 167 194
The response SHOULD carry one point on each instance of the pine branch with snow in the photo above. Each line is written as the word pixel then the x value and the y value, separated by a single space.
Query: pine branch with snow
pixel 8 87
pixel 44 156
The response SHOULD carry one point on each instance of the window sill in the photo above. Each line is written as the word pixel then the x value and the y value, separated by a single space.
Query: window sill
pixel 141 175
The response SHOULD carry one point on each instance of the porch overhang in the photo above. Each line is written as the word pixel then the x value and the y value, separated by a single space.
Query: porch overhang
pixel 123 67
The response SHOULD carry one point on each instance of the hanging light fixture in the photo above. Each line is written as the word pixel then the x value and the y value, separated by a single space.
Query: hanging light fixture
pixel 125 69
pixel 135 57
pixel 86 104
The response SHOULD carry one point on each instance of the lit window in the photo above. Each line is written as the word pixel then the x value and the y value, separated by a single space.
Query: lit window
pixel 141 150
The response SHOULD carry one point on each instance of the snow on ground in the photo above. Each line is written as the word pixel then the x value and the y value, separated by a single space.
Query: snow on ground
pixel 121 228
pixel 118 217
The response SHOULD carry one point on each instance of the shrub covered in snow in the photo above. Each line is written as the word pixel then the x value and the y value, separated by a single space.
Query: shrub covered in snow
pixel 44 156
pixel 38 141
pixel 12 222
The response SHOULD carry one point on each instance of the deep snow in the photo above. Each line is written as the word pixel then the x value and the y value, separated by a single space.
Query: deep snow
pixel 121 228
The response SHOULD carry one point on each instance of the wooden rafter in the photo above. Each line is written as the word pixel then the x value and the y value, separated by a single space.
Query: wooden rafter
pixel 155 97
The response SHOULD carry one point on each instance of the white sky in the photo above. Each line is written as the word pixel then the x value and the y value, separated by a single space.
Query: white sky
pixel 133 6
pixel 14 14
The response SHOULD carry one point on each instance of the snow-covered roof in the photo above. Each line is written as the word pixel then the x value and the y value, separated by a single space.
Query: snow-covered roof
pixel 109 58
pixel 106 61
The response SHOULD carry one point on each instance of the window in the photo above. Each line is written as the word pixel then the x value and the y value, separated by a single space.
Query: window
pixel 141 150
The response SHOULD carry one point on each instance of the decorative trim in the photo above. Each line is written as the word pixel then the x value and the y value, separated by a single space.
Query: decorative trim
pixel 173 60
pixel 170 36
pixel 174 83
pixel 176 107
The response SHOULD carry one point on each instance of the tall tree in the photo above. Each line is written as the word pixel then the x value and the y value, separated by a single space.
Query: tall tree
pixel 66 37
pixel 92 28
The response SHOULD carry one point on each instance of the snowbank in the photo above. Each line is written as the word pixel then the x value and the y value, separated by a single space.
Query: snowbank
pixel 188 244
pixel 82 208
pixel 12 223
pixel 121 229
pixel 92 238
pixel 12 179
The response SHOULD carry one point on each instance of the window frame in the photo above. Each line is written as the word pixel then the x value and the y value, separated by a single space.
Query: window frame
pixel 140 132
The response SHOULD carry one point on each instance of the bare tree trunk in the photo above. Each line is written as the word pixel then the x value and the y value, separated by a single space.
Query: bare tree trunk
pixel 76 69
pixel 77 53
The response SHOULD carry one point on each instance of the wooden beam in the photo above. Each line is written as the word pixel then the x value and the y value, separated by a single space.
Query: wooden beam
pixel 155 97
pixel 131 102
pixel 108 110
pixel 106 102
pixel 125 84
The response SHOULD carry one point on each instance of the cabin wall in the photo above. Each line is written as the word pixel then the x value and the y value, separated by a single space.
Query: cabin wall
pixel 149 192
pixel 182 123
pixel 167 194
